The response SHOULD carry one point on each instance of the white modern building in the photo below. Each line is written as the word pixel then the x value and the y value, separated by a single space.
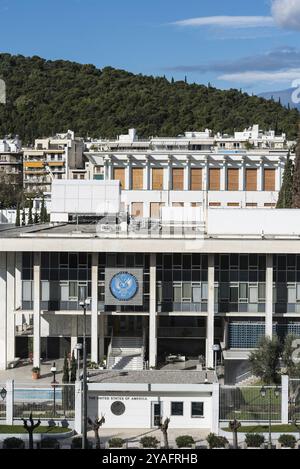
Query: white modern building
pixel 194 170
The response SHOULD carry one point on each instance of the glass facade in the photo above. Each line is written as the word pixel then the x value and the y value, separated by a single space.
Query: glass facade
pixel 286 277
pixel 182 282
pixel 240 283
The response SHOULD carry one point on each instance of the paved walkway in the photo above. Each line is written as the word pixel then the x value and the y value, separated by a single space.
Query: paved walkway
pixel 22 374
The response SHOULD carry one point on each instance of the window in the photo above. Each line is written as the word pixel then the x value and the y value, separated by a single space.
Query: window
pixel 214 179
pixel 137 178
pixel 157 179
pixel 253 294
pixel 232 179
pixel 197 409
pixel 177 174
pixel 186 291
pixel 196 179
pixel 176 408
pixel 177 294
pixel 73 290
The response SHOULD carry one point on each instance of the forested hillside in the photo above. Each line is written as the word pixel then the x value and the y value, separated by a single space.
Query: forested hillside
pixel 44 97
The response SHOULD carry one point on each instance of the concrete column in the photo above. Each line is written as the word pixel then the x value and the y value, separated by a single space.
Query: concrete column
pixel 215 408
pixel 205 177
pixel 10 306
pixel 269 296
pixel 223 184
pixel 210 312
pixel 37 309
pixel 242 175
pixel 9 402
pixel 279 174
pixel 101 323
pixel 187 174
pixel 128 174
pixel 284 399
pixel 168 175
pixel 94 315
pixel 260 180
pixel 147 173
pixel 18 281
pixel 152 313
pixel 74 336
pixel 3 337
pixel 78 407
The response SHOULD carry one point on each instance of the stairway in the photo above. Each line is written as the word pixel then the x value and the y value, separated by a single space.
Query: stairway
pixel 126 354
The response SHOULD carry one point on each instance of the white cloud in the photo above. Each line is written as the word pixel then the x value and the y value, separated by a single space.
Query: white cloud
pixel 229 21
pixel 283 76
pixel 286 13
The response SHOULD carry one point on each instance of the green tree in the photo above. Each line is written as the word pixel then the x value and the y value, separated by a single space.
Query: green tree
pixel 285 197
pixel 18 217
pixel 292 367
pixel 296 179
pixel 265 360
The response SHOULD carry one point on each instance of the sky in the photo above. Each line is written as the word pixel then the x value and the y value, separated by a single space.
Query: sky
pixel 253 45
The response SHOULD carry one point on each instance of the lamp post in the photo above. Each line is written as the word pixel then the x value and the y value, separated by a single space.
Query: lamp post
pixel 3 394
pixel 84 302
pixel 263 392
pixel 53 384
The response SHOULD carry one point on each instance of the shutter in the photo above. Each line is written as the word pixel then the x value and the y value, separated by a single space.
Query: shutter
pixel 233 179
pixel 214 179
pixel 154 210
pixel 177 179
pixel 196 179
pixel 137 209
pixel 119 174
pixel 251 179
pixel 137 179
pixel 157 179
pixel 269 175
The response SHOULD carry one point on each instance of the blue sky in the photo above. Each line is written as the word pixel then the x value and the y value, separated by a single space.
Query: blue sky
pixel 230 43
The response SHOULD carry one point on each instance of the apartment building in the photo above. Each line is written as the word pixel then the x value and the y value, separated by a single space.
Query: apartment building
pixel 11 161
pixel 197 169
pixel 50 159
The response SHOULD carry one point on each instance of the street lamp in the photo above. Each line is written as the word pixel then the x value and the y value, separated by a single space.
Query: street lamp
pixel 263 393
pixel 84 302
pixel 54 383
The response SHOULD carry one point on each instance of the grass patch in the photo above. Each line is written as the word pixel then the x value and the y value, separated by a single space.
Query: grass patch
pixel 265 429
pixel 13 429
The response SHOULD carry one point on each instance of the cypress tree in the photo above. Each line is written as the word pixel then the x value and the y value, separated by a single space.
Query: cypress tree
pixel 73 369
pixel 23 217
pixel 296 179
pixel 30 219
pixel 43 211
pixel 18 218
pixel 65 380
pixel 66 370
pixel 286 191
pixel 36 218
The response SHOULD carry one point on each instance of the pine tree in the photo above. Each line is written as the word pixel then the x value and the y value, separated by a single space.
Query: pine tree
pixel 286 191
pixel 296 178
pixel 30 219
pixel 18 217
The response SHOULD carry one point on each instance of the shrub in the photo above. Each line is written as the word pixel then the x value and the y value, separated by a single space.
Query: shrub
pixel 50 443
pixel 185 441
pixel 149 442
pixel 287 441
pixel 77 443
pixel 254 440
pixel 215 441
pixel 116 443
pixel 13 443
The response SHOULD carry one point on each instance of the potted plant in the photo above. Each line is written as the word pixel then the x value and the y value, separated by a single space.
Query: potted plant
pixel 254 440
pixel 185 441
pixel 287 441
pixel 36 372
pixel 116 443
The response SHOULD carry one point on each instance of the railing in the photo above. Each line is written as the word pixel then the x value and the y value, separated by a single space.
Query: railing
pixel 243 377
pixel 181 332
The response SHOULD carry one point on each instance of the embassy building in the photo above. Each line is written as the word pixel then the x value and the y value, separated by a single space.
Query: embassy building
pixel 195 279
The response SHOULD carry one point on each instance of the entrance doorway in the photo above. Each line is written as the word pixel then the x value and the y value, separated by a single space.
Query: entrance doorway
pixel 156 414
